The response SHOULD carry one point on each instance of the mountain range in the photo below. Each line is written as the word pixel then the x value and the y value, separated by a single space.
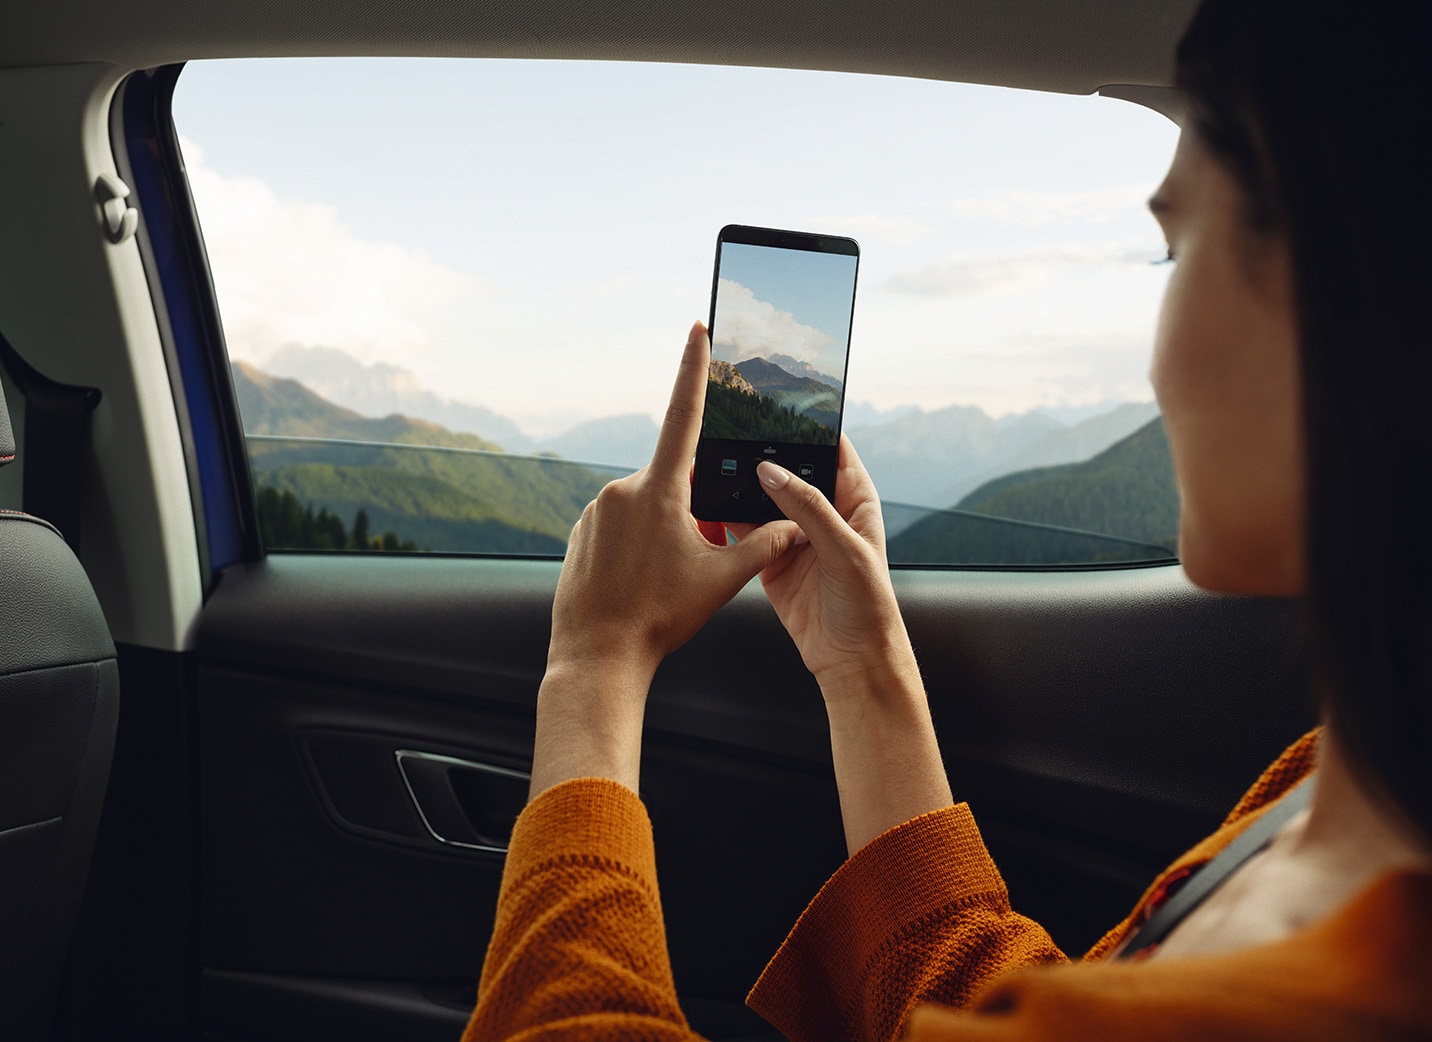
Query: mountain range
pixel 927 458
pixel 737 409
pixel 798 368
pixel 464 500
pixel 1061 514
pixel 934 459
pixel 379 389
pixel 802 394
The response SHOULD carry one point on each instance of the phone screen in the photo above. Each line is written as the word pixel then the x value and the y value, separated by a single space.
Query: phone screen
pixel 781 309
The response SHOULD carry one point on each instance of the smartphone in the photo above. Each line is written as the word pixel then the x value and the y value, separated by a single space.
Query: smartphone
pixel 782 304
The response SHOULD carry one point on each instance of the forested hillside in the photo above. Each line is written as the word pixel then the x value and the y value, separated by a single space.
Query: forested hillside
pixel 733 414
pixel 463 494
pixel 284 522
pixel 1066 512
pixel 806 395
pixel 433 499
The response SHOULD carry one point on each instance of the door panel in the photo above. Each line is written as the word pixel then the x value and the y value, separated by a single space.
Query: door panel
pixel 1098 722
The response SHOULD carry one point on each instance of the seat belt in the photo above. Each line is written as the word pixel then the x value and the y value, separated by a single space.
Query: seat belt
pixel 57 440
pixel 1212 875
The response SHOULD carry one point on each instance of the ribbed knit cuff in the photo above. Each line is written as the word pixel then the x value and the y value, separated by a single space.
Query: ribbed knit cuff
pixel 581 820
pixel 924 867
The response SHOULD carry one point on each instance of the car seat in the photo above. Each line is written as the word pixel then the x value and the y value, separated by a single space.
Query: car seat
pixel 59 711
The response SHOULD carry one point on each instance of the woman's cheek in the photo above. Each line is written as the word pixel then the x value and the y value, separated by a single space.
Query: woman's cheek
pixel 1163 371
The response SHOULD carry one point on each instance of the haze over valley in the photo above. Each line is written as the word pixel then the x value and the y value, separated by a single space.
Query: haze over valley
pixel 928 458
pixel 1102 472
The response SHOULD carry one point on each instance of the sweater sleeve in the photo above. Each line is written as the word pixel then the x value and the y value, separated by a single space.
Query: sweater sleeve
pixel 920 914
pixel 578 948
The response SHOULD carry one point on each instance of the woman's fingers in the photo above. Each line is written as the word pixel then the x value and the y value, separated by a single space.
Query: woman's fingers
pixel 803 503
pixel 855 495
pixel 676 444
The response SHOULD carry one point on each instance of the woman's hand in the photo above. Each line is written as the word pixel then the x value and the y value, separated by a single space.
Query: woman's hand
pixel 639 580
pixel 834 596
pixel 833 593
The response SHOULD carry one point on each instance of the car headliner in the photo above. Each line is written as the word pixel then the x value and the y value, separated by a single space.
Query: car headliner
pixel 1058 45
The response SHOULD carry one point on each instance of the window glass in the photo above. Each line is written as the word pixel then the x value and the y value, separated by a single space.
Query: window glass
pixel 455 291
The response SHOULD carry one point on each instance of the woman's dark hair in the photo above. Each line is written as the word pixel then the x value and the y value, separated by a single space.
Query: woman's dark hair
pixel 1317 112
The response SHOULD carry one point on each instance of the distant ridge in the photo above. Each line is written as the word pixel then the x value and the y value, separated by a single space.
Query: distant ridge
pixel 1018 464
pixel 937 458
pixel 379 389
pixel 627 440
pixel 811 398
pixel 436 500
pixel 276 405
pixel 799 368
pixel 1126 491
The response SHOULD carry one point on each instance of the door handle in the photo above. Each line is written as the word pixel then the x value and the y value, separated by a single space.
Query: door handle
pixel 463 803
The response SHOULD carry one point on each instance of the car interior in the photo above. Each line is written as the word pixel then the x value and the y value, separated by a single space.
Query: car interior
pixel 252 796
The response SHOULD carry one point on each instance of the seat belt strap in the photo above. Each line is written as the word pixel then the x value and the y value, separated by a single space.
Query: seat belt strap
pixel 56 446
pixel 1212 875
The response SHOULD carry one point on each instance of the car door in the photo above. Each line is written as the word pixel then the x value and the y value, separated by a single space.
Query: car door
pixel 1098 723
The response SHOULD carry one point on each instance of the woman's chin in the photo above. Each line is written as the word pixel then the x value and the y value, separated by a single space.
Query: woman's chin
pixel 1250 570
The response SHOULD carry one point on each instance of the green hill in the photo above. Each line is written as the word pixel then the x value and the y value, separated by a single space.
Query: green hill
pixel 433 514
pixel 286 522
pixel 1126 492
pixel 802 394
pixel 273 405
pixel 437 500
pixel 733 414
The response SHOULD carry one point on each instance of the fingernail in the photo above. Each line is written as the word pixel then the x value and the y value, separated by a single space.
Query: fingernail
pixel 800 538
pixel 696 330
pixel 772 475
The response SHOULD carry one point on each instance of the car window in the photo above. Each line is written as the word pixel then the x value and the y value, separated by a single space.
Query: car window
pixel 454 291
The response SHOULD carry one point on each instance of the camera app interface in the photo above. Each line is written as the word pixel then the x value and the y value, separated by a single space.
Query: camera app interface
pixel 779 338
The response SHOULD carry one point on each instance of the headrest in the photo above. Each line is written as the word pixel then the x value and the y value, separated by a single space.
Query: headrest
pixel 7 436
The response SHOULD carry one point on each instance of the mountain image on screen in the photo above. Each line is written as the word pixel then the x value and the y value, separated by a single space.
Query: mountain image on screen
pixel 762 401
pixel 798 368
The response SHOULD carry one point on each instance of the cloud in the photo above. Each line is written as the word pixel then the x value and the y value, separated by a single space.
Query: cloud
pixel 1042 209
pixel 1008 273
pixel 751 328
pixel 292 272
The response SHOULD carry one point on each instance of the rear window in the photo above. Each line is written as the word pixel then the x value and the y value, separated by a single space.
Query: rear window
pixel 454 292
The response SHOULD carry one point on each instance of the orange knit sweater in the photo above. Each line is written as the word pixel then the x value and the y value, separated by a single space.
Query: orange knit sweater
pixel 919 916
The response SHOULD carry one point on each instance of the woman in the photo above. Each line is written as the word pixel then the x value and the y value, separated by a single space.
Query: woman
pixel 1289 365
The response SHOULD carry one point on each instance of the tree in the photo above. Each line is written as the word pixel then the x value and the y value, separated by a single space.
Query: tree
pixel 285 523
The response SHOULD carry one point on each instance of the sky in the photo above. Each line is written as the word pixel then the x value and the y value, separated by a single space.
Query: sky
pixel 793 302
pixel 538 236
